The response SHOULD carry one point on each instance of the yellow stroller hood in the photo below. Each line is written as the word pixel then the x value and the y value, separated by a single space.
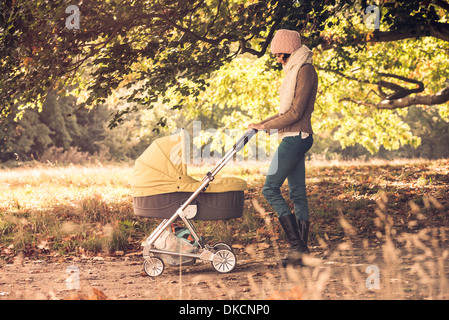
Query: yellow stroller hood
pixel 162 168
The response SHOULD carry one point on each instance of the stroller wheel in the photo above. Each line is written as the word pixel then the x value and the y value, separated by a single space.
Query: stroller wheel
pixel 153 266
pixel 224 260
pixel 222 245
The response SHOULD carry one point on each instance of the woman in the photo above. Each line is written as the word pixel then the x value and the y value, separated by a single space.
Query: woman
pixel 293 124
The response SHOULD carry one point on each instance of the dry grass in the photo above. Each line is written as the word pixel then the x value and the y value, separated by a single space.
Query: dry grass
pixel 364 221
pixel 66 207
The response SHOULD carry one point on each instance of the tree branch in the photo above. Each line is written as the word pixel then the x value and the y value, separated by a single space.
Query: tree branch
pixel 399 91
pixel 442 4
pixel 433 99
pixel 78 64
pixel 191 33
pixel 437 30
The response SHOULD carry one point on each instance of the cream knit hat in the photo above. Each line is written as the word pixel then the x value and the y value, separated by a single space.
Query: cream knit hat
pixel 285 41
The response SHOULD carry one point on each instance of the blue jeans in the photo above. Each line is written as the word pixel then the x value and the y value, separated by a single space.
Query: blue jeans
pixel 289 163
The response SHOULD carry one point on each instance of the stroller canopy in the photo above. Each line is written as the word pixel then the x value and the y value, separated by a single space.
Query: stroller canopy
pixel 162 169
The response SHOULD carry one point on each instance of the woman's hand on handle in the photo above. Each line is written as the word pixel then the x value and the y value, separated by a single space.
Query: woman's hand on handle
pixel 256 126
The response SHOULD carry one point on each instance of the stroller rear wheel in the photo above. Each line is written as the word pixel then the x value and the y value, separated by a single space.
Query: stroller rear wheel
pixel 224 260
pixel 153 266
pixel 222 244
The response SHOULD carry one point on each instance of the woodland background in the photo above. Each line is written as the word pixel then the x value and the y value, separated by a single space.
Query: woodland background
pixel 145 68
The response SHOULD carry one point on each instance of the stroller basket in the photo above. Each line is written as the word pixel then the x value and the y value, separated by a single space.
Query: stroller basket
pixel 168 241
pixel 209 206
pixel 162 189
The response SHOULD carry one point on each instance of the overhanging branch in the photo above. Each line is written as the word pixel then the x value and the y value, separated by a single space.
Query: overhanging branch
pixel 433 99
pixel 442 4
pixel 399 91
pixel 437 30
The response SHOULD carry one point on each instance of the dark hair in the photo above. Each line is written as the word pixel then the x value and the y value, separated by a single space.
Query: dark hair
pixel 285 56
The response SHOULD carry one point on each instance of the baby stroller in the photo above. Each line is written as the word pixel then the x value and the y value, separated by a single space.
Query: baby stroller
pixel 161 189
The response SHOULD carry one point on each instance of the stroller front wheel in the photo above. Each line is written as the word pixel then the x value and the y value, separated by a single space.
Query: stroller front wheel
pixel 153 266
pixel 224 260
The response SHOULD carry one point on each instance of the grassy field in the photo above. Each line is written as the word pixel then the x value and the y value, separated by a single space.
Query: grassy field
pixel 88 209
pixel 49 212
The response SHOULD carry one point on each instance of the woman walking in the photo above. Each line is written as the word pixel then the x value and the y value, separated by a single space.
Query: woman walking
pixel 293 124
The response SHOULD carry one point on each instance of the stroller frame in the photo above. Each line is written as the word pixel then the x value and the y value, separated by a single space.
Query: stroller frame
pixel 220 255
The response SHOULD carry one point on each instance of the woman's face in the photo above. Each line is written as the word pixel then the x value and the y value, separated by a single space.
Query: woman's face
pixel 280 58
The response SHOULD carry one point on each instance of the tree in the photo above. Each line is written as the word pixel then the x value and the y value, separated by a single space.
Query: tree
pixel 400 20
pixel 152 45
pixel 155 47
pixel 371 77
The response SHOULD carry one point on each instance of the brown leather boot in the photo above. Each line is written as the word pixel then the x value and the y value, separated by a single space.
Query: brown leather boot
pixel 303 227
pixel 297 246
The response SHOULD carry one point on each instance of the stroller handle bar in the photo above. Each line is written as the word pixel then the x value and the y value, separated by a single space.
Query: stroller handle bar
pixel 241 142
pixel 244 139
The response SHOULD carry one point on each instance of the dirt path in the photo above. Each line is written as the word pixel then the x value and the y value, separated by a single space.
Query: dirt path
pixel 348 271
pixel 123 278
